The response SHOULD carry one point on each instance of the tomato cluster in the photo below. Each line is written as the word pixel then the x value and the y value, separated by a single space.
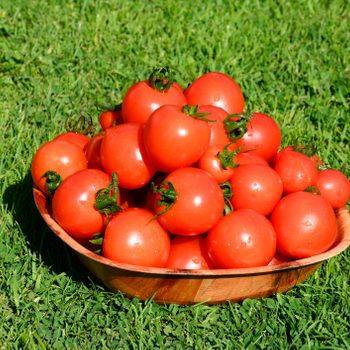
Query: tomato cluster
pixel 184 179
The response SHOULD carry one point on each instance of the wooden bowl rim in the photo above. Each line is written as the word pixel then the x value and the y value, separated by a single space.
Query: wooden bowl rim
pixel 341 245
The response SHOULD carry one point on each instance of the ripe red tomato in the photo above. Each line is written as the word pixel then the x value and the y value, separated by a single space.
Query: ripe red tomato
pixel 110 118
pixel 189 253
pixel 216 89
pixel 198 202
pixel 122 151
pixel 78 139
pixel 296 170
pixel 218 136
pixel 257 187
pixel 92 152
pixel 175 137
pixel 263 137
pixel 243 238
pixel 146 96
pixel 74 203
pixel 305 225
pixel 132 237
pixel 61 157
pixel 249 158
pixel 334 186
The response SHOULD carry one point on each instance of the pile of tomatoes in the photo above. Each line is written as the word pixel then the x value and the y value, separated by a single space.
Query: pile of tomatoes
pixel 184 179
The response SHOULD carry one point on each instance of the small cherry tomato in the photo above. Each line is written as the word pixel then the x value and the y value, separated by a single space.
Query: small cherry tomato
pixel 243 238
pixel 54 161
pixel 257 187
pixel 134 237
pixel 188 202
pixel 110 118
pixel 123 152
pixel 333 186
pixel 216 89
pixel 175 137
pixel 296 170
pixel 305 225
pixel 189 253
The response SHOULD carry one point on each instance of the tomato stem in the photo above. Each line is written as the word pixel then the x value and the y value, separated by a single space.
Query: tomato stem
pixel 227 158
pixel 192 111
pixel 227 191
pixel 83 125
pixel 107 198
pixel 168 196
pixel 53 180
pixel 236 125
pixel 161 79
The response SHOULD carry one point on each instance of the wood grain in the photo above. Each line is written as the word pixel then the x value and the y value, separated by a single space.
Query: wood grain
pixel 190 287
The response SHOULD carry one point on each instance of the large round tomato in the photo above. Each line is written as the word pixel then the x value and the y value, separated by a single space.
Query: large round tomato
pixel 243 238
pixel 334 186
pixel 216 89
pixel 122 151
pixel 189 253
pixel 263 136
pixel 146 96
pixel 218 136
pixel 133 237
pixel 195 202
pixel 296 170
pixel 61 159
pixel 256 186
pixel 175 137
pixel 74 203
pixel 305 225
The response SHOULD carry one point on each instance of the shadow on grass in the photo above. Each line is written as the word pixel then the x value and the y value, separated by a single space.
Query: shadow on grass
pixel 54 253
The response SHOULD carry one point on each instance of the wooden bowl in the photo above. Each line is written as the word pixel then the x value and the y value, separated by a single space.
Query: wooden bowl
pixel 190 287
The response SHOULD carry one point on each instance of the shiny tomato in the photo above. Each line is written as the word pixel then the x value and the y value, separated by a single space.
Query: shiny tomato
pixel 216 89
pixel 263 136
pixel 189 253
pixel 218 136
pixel 74 203
pixel 144 97
pixel 175 137
pixel 194 201
pixel 243 238
pixel 212 164
pixel 133 237
pixel 61 159
pixel 257 187
pixel 305 225
pixel 122 151
pixel 296 170
pixel 334 186
pixel 78 139
pixel 92 152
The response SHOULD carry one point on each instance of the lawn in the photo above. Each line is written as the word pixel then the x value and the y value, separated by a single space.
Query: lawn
pixel 58 59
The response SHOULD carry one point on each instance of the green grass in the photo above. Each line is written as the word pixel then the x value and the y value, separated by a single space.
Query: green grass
pixel 58 59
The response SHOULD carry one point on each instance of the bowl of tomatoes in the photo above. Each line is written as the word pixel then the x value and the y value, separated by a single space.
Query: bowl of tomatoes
pixel 184 198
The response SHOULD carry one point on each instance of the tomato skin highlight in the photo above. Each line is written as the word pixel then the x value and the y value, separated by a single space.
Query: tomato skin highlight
pixel 74 200
pixel 296 170
pixel 334 186
pixel 132 237
pixel 216 89
pixel 199 204
pixel 262 138
pixel 189 253
pixel 305 225
pixel 174 139
pixel 78 139
pixel 123 152
pixel 256 186
pixel 243 238
pixel 63 157
pixel 141 100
